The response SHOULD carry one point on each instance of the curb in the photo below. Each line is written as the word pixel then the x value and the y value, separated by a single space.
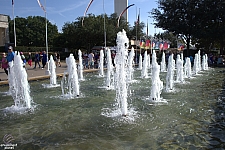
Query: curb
pixel 47 76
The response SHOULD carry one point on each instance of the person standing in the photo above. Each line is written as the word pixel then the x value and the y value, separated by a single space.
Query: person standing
pixel 4 63
pixel 44 59
pixel 36 60
pixel 29 59
pixel 58 60
pixel 23 59
pixel 10 57
pixel 91 60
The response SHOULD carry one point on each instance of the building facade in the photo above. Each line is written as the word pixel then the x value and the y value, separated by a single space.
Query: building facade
pixel 4 30
pixel 119 6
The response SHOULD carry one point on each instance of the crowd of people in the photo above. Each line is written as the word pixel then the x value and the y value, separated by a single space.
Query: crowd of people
pixel 38 58
pixel 90 61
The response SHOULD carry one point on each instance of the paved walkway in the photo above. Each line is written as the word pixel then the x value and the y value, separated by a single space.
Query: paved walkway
pixel 39 73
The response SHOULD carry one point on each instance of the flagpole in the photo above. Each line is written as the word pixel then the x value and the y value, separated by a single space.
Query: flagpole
pixel 46 39
pixel 140 35
pixel 136 36
pixel 104 30
pixel 146 48
pixel 14 23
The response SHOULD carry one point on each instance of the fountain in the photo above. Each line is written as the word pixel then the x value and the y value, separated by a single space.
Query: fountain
pixel 180 72
pixel 163 63
pixel 110 72
pixel 144 72
pixel 157 84
pixel 101 64
pixel 70 85
pixel 19 87
pixel 199 61
pixel 121 73
pixel 80 65
pixel 196 68
pixel 187 68
pixel 140 62
pixel 193 118
pixel 130 65
pixel 205 62
pixel 170 73
pixel 149 61
pixel 52 67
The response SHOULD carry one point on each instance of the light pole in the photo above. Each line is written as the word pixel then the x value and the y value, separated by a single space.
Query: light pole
pixel 104 32
pixel 46 40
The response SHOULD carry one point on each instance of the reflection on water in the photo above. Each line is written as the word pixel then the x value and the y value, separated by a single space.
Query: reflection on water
pixel 193 118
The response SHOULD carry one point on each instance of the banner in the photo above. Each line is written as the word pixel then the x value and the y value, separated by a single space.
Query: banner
pixel 41 5
pixel 118 22
pixel 86 11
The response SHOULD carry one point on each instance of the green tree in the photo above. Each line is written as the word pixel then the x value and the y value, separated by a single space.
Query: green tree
pixel 31 31
pixel 177 16
pixel 92 32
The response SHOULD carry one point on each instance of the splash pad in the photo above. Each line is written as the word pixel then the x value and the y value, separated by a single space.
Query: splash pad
pixel 83 123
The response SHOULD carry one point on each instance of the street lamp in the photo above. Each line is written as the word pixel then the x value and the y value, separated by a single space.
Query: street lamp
pixel 46 39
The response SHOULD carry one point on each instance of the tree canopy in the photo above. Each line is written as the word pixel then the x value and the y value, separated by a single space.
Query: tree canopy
pixel 200 20
pixel 30 31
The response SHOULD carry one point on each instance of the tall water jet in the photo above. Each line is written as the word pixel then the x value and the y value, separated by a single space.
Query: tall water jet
pixel 11 78
pixel 196 64
pixel 140 62
pixel 180 71
pixel 101 64
pixel 157 84
pixel 110 72
pixel 154 59
pixel 70 83
pixel 20 89
pixel 205 62
pixel 170 73
pixel 144 72
pixel 121 73
pixel 130 65
pixel 149 61
pixel 52 72
pixel 199 61
pixel 163 63
pixel 80 65
pixel 187 68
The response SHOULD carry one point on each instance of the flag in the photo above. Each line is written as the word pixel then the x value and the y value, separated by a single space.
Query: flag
pixel 180 46
pixel 153 44
pixel 147 44
pixel 161 46
pixel 138 19
pixel 86 11
pixel 157 45
pixel 12 2
pixel 165 46
pixel 142 44
pixel 41 5
pixel 123 13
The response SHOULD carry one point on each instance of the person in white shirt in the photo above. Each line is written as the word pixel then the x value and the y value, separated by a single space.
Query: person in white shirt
pixel 91 60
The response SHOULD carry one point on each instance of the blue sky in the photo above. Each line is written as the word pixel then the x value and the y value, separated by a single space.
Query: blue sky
pixel 59 11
